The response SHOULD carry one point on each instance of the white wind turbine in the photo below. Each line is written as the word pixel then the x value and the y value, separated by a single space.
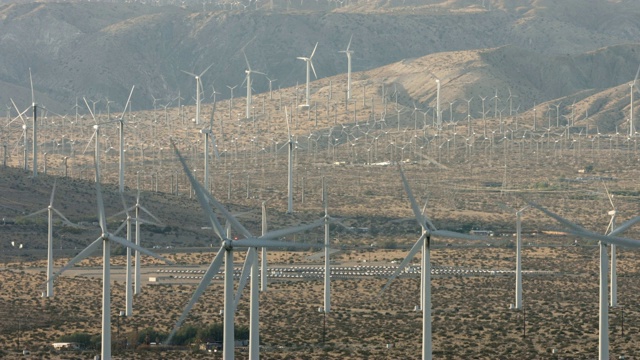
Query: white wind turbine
pixel 438 113
pixel 139 221
pixel 348 52
pixel 208 135
pixel 247 80
pixel 50 210
pixel 34 130
pixel 105 239
pixel 424 243
pixel 290 164
pixel 199 90
pixel 127 223
pixel 631 125
pixel 250 268
pixel 24 133
pixel 518 303
pixel 612 229
pixel 326 220
pixel 263 262
pixel 121 150
pixel 226 254
pixel 611 239
pixel 309 61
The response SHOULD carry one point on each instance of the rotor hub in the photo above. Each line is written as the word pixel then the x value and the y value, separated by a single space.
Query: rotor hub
pixel 227 244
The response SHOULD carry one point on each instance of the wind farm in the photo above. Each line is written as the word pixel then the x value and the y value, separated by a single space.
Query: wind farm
pixel 391 183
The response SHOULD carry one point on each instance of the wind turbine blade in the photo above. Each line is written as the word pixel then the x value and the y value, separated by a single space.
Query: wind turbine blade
pixel 246 60
pixel 146 222
pixel 89 107
pixel 627 224
pixel 270 244
pixel 420 218
pixel 349 45
pixel 188 73
pixel 89 142
pixel 132 245
pixel 558 218
pixel 456 235
pixel 65 220
pixel 313 52
pixel 637 73
pixel 202 199
pixel 122 212
pixel 292 230
pixel 81 256
pixel 18 111
pixel 244 277
pixel 124 205
pixel 230 218
pixel 414 250
pixel 37 212
pixel 205 70
pixel 53 192
pixel 206 279
pixel 127 103
pixel 312 68
pixel 33 97
pixel 607 239
pixel 609 225
pixel 609 195
pixel 339 223
pixel 286 119
pixel 124 223
pixel 101 218
pixel 150 214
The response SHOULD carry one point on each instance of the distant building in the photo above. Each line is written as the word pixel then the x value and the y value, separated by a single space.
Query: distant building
pixel 481 232
pixel 66 346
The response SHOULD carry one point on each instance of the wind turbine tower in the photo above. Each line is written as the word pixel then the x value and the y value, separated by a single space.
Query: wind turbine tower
pixel 309 61
pixel 631 125
pixel 438 114
pixel 327 264
pixel 198 90
pixel 348 52
pixel 290 166
pixel 121 134
pixel 35 128
pixel 248 81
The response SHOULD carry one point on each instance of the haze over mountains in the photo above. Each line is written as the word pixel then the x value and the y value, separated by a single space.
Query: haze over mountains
pixel 541 51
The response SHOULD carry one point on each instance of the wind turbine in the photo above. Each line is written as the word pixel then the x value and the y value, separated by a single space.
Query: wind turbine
pixel 309 61
pixel 34 130
pixel 226 254
pixel 198 90
pixel 248 81
pixel 438 114
pixel 631 125
pixel 518 303
pixel 611 239
pixel 290 165
pixel 105 239
pixel 348 52
pixel 424 243
pixel 208 135
pixel 127 223
pixel 50 210
pixel 121 133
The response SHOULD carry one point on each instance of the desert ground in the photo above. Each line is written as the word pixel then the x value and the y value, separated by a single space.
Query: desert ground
pixel 472 171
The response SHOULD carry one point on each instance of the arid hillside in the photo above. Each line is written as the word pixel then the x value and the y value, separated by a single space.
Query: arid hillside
pixel 99 50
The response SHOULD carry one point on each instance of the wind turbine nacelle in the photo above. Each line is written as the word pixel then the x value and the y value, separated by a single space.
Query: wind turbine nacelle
pixel 303 107
pixel 612 212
